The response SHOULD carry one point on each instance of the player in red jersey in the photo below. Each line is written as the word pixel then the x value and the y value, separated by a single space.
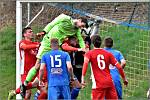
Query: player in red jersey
pixel 70 43
pixel 28 51
pixel 103 86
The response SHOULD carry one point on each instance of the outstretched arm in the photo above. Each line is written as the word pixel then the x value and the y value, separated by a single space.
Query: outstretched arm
pixel 28 46
pixel 67 47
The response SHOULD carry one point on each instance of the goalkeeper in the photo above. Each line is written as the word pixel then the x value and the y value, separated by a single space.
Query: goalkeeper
pixel 61 27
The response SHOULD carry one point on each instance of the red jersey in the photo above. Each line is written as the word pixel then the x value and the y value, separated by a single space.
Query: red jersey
pixel 67 47
pixel 28 51
pixel 100 60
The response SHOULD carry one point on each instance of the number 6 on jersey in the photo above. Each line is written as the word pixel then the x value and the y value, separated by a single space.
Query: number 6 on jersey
pixel 100 61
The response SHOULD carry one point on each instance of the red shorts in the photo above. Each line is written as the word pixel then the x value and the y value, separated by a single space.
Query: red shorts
pixel 104 93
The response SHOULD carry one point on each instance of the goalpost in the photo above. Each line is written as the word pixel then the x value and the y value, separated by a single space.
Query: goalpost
pixel 136 57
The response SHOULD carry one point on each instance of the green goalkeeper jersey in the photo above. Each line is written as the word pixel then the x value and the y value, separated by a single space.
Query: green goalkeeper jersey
pixel 60 28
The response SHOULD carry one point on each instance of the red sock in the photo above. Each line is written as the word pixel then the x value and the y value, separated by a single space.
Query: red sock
pixel 29 86
pixel 17 91
pixel 43 95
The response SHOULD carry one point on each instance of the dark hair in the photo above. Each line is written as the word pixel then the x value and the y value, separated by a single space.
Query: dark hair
pixel 96 40
pixel 71 37
pixel 54 42
pixel 84 20
pixel 87 39
pixel 108 42
pixel 25 29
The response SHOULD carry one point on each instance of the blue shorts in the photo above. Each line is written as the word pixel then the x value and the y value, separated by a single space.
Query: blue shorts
pixel 118 87
pixel 59 92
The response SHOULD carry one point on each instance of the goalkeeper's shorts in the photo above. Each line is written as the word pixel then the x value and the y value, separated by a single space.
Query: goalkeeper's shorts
pixel 42 50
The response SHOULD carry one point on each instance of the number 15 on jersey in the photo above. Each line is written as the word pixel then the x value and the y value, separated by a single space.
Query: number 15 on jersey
pixel 54 59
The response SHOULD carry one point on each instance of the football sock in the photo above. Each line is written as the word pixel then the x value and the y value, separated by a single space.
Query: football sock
pixel 31 74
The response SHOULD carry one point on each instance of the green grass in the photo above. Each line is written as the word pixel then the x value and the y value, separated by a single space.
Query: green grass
pixel 7 61
pixel 126 40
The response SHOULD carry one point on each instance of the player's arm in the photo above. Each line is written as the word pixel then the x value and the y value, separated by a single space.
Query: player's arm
pixel 81 41
pixel 40 34
pixel 69 66
pixel 70 69
pixel 120 69
pixel 67 47
pixel 41 73
pixel 123 63
pixel 122 60
pixel 84 69
pixel 28 46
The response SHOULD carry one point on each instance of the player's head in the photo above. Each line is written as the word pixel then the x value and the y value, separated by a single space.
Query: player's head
pixel 87 40
pixel 81 23
pixel 73 41
pixel 27 32
pixel 108 42
pixel 96 40
pixel 54 43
